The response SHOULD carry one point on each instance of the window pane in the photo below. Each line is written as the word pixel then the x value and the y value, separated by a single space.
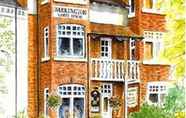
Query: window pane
pixel 78 46
pixel 64 109
pixel 64 46
pixel 153 98
pixel 148 50
pixel 105 104
pixel 78 108
pixel 46 47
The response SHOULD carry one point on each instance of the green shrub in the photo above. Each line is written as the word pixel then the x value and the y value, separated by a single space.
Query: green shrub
pixel 149 111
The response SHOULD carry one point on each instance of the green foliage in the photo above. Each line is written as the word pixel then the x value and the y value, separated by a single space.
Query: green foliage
pixel 53 101
pixel 22 114
pixel 175 101
pixel 150 111
pixel 174 42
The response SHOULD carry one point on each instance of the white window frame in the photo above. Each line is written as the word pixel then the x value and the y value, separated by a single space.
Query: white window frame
pixel 46 94
pixel 109 46
pixel 46 49
pixel 158 88
pixel 71 41
pixel 72 96
pixel 156 38
pixel 131 14
pixel 153 9
pixel 132 46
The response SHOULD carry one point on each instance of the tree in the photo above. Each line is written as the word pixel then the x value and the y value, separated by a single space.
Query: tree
pixel 174 42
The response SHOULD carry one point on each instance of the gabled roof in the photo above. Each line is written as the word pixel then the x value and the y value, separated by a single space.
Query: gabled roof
pixel 122 3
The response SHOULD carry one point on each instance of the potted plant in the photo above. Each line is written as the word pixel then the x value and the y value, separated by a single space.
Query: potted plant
pixel 115 103
pixel 53 101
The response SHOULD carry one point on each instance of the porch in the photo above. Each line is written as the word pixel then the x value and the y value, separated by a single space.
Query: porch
pixel 114 70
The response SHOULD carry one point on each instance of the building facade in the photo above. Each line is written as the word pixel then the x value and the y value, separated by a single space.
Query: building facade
pixel 92 51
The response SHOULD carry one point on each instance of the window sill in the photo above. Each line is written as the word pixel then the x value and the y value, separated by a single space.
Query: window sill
pixel 45 59
pixel 131 15
pixel 44 2
pixel 153 11
pixel 70 59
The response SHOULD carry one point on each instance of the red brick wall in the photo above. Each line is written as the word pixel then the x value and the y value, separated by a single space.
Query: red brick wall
pixel 32 68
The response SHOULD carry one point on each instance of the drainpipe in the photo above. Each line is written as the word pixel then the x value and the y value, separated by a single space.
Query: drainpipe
pixel 15 59
pixel 38 56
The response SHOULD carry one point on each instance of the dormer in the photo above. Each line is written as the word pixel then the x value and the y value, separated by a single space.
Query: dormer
pixel 109 12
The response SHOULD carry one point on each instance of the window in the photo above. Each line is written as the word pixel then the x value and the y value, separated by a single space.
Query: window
pixel 70 40
pixel 131 8
pixel 72 105
pixel 106 47
pixel 132 96
pixel 132 46
pixel 156 92
pixel 152 44
pixel 46 95
pixel 46 42
pixel 152 6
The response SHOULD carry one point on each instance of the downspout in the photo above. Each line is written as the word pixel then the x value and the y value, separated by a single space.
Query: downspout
pixel 38 55
pixel 88 73
pixel 16 59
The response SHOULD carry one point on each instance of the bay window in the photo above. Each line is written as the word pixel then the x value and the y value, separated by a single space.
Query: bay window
pixel 70 40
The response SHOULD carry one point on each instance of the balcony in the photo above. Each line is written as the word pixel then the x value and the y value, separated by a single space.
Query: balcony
pixel 114 70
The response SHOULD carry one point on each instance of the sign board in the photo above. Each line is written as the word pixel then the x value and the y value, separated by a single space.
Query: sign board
pixel 132 97
pixel 70 12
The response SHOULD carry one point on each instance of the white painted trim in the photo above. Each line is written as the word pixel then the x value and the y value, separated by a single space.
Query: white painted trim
pixel 109 47
pixel 44 2
pixel 45 59
pixel 46 49
pixel 45 102
pixel 131 14
pixel 153 11
pixel 70 59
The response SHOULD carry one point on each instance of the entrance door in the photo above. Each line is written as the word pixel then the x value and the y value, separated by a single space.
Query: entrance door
pixel 106 94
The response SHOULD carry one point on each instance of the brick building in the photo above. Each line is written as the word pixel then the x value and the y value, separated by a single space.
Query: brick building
pixel 90 51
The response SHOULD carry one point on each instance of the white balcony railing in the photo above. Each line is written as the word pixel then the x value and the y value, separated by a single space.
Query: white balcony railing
pixel 114 70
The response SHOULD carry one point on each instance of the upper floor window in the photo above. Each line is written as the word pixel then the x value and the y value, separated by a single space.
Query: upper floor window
pixel 132 46
pixel 152 44
pixel 151 6
pixel 46 42
pixel 156 92
pixel 70 40
pixel 131 8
